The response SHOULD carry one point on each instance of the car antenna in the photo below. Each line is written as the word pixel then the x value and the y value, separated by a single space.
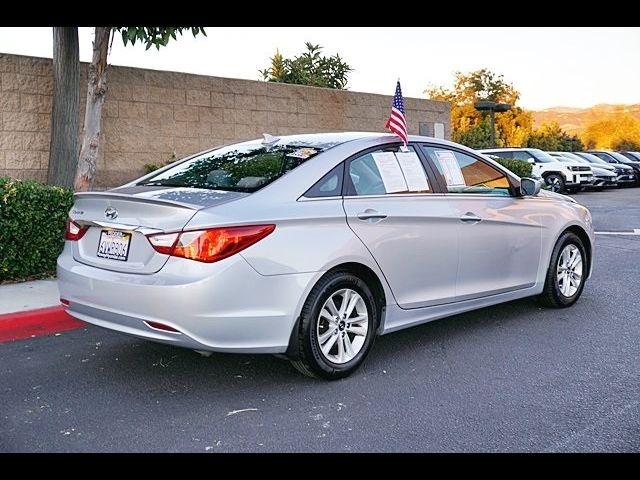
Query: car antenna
pixel 269 139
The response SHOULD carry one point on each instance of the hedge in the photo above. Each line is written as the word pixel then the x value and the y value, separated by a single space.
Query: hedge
pixel 32 224
pixel 519 167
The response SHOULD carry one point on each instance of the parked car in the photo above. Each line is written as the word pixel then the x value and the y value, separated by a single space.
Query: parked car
pixel 633 156
pixel 632 168
pixel 624 173
pixel 560 178
pixel 601 177
pixel 629 159
pixel 309 246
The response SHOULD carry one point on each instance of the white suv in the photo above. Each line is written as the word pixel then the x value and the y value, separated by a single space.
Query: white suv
pixel 561 177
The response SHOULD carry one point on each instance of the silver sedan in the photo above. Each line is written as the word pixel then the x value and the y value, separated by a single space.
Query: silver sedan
pixel 309 246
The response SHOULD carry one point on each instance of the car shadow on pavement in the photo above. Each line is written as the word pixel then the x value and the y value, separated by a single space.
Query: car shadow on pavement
pixel 178 369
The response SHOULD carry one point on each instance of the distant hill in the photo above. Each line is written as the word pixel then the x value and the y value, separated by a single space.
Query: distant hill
pixel 574 120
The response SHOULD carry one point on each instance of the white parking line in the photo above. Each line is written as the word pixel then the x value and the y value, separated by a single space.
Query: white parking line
pixel 636 231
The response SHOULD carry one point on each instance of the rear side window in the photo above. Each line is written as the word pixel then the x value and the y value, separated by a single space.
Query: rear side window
pixel 366 177
pixel 386 171
pixel 242 167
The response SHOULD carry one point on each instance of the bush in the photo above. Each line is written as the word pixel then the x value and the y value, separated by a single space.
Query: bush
pixel 32 224
pixel 152 167
pixel 519 167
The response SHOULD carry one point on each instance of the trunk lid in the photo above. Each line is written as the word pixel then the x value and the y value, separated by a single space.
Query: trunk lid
pixel 119 220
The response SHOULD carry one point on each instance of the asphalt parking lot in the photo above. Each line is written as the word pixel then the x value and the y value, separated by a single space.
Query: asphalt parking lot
pixel 514 378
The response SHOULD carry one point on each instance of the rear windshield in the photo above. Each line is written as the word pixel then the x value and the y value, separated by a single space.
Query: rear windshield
pixel 240 167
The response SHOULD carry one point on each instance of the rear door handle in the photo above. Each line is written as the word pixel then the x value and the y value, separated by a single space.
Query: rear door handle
pixel 470 217
pixel 371 214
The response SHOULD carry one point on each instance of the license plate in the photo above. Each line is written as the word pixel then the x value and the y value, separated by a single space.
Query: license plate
pixel 114 245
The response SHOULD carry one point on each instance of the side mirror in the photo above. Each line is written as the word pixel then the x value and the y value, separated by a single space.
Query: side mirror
pixel 531 161
pixel 529 186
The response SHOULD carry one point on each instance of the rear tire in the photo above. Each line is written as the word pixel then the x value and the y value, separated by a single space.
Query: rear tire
pixel 337 327
pixel 566 274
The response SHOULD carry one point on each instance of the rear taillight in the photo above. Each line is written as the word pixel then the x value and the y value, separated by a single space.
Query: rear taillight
pixel 164 242
pixel 209 245
pixel 74 231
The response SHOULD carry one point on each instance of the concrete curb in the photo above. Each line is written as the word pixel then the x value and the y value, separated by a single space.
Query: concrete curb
pixel 35 323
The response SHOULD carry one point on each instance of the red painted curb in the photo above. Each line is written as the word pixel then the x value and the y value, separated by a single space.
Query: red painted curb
pixel 34 323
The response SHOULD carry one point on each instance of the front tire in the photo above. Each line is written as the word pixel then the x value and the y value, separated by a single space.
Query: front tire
pixel 566 273
pixel 337 327
pixel 555 183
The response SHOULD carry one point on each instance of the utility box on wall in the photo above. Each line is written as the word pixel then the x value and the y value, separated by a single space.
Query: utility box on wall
pixel 431 129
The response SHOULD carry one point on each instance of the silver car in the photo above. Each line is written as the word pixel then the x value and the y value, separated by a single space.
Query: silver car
pixel 309 246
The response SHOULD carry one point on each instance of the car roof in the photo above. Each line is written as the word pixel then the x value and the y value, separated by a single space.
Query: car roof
pixel 502 149
pixel 331 139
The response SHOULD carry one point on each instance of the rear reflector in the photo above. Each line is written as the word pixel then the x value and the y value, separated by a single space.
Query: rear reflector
pixel 162 326
pixel 64 302
pixel 209 245
pixel 74 231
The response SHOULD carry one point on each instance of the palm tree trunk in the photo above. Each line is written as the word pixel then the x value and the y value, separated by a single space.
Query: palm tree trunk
pixel 96 90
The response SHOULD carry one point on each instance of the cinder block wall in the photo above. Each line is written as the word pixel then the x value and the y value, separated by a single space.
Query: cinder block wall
pixel 151 115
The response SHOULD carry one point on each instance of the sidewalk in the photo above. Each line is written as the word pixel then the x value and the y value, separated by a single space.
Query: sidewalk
pixel 31 309
pixel 19 297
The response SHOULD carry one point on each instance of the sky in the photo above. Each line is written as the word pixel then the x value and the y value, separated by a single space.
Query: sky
pixel 550 66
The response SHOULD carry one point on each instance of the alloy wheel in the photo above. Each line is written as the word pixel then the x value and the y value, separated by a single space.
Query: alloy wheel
pixel 342 326
pixel 569 270
pixel 554 184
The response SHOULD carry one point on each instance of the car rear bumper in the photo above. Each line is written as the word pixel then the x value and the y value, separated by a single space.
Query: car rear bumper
pixel 225 306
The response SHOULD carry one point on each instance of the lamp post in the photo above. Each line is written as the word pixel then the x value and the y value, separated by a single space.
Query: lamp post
pixel 492 108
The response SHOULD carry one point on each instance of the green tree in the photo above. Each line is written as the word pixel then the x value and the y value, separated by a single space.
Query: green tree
pixel 512 127
pixel 477 136
pixel 97 87
pixel 552 138
pixel 626 145
pixel 571 143
pixel 309 68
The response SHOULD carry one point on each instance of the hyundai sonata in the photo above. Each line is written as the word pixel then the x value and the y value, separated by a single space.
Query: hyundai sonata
pixel 309 246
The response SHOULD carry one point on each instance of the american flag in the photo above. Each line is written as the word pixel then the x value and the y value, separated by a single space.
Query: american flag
pixel 397 123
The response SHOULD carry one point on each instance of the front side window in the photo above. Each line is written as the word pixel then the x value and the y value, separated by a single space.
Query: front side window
pixel 501 154
pixel 244 167
pixel 466 174
pixel 387 171
pixel 541 156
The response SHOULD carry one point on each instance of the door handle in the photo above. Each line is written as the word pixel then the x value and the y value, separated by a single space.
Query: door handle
pixel 470 217
pixel 371 214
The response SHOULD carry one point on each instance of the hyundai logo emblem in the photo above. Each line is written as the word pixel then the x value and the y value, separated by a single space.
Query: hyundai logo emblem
pixel 111 213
